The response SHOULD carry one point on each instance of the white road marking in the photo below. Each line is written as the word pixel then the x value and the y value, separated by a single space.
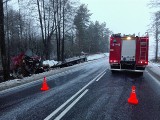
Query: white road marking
pixel 100 77
pixel 153 78
pixel 146 71
pixel 64 104
pixel 71 105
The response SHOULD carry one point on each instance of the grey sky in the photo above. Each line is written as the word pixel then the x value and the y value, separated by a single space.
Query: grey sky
pixel 121 16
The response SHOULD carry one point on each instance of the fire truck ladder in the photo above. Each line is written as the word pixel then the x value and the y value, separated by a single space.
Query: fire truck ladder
pixel 143 49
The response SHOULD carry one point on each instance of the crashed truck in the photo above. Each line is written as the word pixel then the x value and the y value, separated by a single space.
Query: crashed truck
pixel 25 64
pixel 28 63
pixel 128 53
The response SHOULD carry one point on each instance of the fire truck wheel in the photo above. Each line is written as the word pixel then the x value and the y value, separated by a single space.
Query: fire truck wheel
pixel 113 71
pixel 140 73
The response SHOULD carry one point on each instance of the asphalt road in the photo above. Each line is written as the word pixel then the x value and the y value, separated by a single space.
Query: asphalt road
pixel 87 92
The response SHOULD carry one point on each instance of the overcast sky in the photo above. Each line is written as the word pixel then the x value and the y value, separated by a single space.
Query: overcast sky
pixel 121 16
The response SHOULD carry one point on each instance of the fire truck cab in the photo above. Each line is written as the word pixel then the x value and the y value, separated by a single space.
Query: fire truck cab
pixel 128 52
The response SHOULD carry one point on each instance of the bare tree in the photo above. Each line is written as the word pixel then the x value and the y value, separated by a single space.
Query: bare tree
pixel 53 16
pixel 157 32
pixel 7 37
pixel 155 27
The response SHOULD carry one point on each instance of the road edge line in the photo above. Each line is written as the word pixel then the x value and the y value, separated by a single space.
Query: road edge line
pixel 154 78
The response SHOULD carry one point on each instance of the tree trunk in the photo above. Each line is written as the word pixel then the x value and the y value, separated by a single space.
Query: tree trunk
pixel 8 41
pixel 57 33
pixel 2 44
pixel 63 38
pixel 156 36
pixel 20 23
pixel 41 25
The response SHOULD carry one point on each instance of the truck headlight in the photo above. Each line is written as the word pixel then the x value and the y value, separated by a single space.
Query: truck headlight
pixel 128 38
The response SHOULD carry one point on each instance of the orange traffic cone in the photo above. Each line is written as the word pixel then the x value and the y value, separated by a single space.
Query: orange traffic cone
pixel 133 99
pixel 44 85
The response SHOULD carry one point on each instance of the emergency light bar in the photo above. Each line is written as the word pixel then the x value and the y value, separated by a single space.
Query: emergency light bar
pixel 128 38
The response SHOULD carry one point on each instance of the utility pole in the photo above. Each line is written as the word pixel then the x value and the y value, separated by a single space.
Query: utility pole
pixel 2 43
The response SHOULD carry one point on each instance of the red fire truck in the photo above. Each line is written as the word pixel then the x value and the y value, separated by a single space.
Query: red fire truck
pixel 128 52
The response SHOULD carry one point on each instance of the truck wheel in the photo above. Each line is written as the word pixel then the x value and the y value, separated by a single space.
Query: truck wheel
pixel 113 71
pixel 140 73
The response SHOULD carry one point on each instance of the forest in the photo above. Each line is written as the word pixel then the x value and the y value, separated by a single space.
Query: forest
pixel 52 29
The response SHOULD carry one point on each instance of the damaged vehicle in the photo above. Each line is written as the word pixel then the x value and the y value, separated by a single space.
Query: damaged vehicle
pixel 26 64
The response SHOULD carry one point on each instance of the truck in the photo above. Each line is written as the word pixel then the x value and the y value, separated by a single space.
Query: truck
pixel 26 64
pixel 128 53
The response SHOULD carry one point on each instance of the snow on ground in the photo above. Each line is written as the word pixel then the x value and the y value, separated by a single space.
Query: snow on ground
pixel 50 62
pixel 155 67
pixel 15 82
pixel 155 64
pixel 97 56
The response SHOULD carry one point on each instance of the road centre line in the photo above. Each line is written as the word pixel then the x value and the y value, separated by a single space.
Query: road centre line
pixel 64 104
pixel 71 105
pixel 101 76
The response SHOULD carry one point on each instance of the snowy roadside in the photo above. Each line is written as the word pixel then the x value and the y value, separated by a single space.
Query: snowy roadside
pixel 16 82
pixel 97 56
pixel 154 68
